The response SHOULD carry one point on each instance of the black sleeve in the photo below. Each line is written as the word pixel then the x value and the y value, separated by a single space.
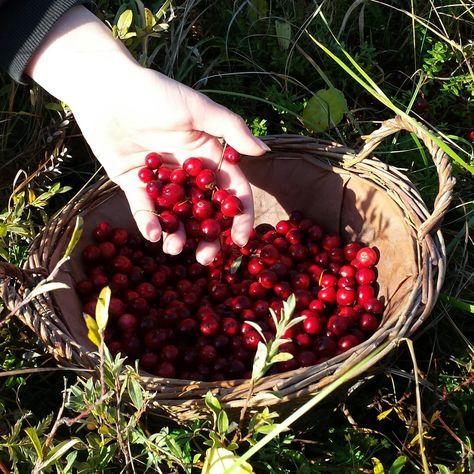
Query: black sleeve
pixel 23 25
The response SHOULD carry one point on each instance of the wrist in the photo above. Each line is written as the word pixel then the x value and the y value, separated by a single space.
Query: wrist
pixel 79 58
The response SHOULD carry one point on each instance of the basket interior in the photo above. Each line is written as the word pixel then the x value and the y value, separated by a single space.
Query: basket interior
pixel 339 200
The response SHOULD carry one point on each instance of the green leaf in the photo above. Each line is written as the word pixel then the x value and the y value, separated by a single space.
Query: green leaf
pixel 3 230
pixel 33 435
pixel 150 20
pixel 257 328
pixel 219 460
pixel 397 465
pixel 257 9
pixel 283 32
pixel 222 423
pixel 259 361
pixel 378 467
pixel 93 330
pixel 4 253
pixel 442 469
pixel 44 288
pixel 125 21
pixel 76 235
pixel 212 403
pixel 135 393
pixel 324 110
pixel 266 395
pixel 236 264
pixel 281 357
pixel 58 451
pixel 102 308
pixel 289 307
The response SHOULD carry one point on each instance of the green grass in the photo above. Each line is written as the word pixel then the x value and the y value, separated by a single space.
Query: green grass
pixel 264 60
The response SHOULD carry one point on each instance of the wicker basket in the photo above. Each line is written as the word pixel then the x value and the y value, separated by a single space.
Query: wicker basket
pixel 346 192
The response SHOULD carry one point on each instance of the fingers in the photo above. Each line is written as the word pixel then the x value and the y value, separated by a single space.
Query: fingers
pixel 143 211
pixel 207 251
pixel 173 243
pixel 219 121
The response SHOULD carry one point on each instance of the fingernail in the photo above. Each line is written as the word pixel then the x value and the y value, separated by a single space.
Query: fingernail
pixel 262 144
pixel 154 235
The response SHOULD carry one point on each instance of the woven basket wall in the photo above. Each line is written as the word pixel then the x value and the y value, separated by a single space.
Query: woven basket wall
pixel 347 192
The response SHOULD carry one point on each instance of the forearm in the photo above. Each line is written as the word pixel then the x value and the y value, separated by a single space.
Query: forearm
pixel 79 56
pixel 23 26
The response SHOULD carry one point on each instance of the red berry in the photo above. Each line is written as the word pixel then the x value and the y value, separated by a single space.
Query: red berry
pixel 219 196
pixel 202 210
pixel 365 276
pixel 348 342
pixel 331 242
pixel 154 188
pixel 169 221
pixel 173 192
pixel 346 296
pixel 166 370
pixel 206 180
pixel 178 176
pixel 365 293
pixel 164 173
pixel 350 250
pixel 91 254
pixel 366 257
pixel 327 295
pixel 368 322
pixel 101 231
pixel 193 166
pixel 146 175
pixel 231 155
pixel 153 160
pixel 121 264
pixel 210 230
pixel 306 358
pixel 251 339
pixel 282 227
pixel 120 236
pixel 267 278
pixel 231 206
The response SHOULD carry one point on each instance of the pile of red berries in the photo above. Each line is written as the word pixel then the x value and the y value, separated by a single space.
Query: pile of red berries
pixel 185 320
pixel 189 194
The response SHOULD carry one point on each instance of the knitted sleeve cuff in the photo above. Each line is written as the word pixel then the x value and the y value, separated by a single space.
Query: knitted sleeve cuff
pixel 23 26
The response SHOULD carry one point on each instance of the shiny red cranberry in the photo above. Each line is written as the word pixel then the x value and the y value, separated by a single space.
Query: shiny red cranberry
pixel 350 250
pixel 251 339
pixel 169 221
pixel 166 370
pixel 368 322
pixel 373 305
pixel 231 155
pixel 206 180
pixel 210 229
pixel 202 209
pixel 366 257
pixel 348 342
pixel 101 231
pixel 120 236
pixel 365 293
pixel 282 227
pixel 154 188
pixel 193 166
pixel 346 296
pixel 306 358
pixel 365 276
pixel 146 175
pixel 231 206
pixel 153 160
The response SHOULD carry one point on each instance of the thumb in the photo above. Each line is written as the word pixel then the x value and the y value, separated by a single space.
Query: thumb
pixel 217 120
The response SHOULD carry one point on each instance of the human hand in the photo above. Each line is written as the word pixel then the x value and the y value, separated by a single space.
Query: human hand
pixel 126 111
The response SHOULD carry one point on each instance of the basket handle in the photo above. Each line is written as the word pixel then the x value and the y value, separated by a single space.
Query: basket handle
pixel 440 159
